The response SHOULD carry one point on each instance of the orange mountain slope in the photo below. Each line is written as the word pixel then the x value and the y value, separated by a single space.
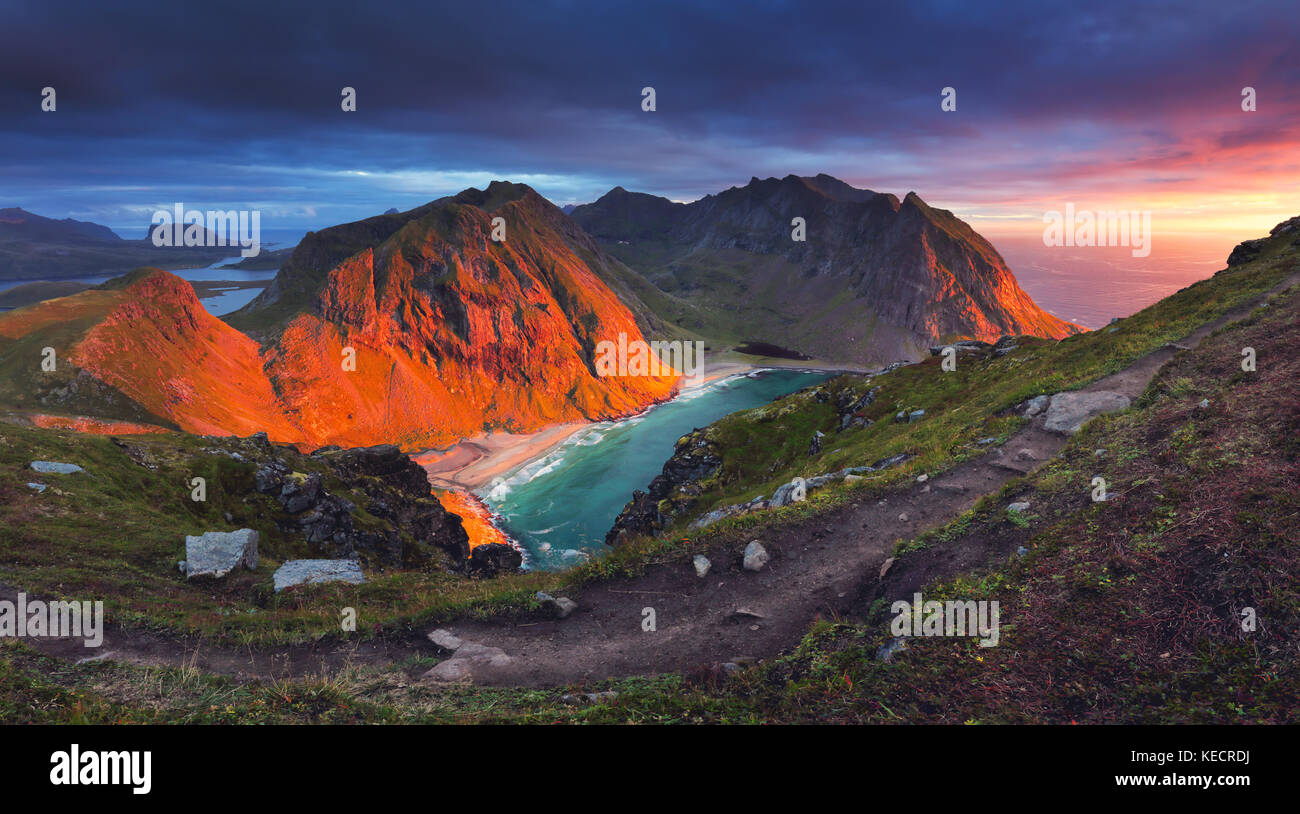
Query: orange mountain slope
pixel 431 333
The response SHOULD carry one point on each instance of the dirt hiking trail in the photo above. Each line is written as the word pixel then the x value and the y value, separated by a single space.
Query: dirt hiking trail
pixel 822 566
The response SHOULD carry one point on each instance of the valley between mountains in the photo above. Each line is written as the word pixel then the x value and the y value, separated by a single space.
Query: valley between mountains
pixel 454 334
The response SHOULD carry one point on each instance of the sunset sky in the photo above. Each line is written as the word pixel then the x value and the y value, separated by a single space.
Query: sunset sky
pixel 1108 105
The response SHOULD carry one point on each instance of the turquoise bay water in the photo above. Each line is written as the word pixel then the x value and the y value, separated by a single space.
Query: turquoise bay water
pixel 560 506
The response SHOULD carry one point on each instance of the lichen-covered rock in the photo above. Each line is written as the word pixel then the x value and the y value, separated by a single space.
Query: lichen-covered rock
pixel 311 572
pixel 55 468
pixel 216 553
pixel 1068 412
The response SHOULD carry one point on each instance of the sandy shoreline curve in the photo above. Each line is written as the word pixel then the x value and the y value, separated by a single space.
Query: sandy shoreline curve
pixel 473 463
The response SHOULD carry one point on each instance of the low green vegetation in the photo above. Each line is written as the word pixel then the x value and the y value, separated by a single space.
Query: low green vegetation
pixel 765 447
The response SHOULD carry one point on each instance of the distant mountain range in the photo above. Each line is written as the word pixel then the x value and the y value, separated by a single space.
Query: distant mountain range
pixel 876 278
pixel 40 248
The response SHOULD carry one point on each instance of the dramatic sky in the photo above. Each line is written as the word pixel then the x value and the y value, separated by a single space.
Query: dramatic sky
pixel 1107 105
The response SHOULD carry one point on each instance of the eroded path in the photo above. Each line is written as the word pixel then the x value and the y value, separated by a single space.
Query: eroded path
pixel 818 567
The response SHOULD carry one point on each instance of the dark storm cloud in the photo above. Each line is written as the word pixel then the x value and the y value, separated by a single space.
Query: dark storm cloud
pixel 238 103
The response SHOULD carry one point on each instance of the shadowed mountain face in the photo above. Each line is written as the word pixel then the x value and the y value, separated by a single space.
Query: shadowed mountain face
pixel 415 328
pixel 35 247
pixel 876 278
pixel 18 224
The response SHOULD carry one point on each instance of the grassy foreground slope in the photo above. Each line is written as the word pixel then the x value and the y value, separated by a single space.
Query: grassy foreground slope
pixel 765 447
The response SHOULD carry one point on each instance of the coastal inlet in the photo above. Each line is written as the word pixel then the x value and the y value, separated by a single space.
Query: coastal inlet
pixel 559 506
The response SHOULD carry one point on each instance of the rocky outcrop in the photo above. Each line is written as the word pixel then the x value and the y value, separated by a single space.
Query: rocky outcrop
pixel 975 349
pixel 491 559
pixel 396 490
pixel 672 492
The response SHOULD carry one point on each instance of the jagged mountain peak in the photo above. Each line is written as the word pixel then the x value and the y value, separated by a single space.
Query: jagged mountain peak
pixel 874 279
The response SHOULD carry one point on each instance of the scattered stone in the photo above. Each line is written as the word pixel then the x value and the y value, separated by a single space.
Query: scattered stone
pixel 755 556
pixel 312 572
pixel 1036 405
pixel 983 442
pixel 574 699
pixel 922 478
pixel 744 615
pixel 884 569
pixel 181 566
pixel 1070 411
pixel 702 565
pixel 1019 506
pixel 915 415
pixel 445 639
pixel 55 468
pixel 784 495
pixel 469 656
pixel 1205 403
pixel 902 518
pixel 1026 455
pixel 1022 551
pixel 1099 453
pixel 452 670
pixel 39 487
pixel 217 553
pixel 558 606
pixel 925 490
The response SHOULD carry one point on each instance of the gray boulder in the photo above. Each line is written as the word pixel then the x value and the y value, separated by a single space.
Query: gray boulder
pixel 702 565
pixel 217 553
pixel 445 639
pixel 55 468
pixel 559 606
pixel 470 658
pixel 310 572
pixel 784 495
pixel 1070 411
pixel 1036 405
pixel 755 556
